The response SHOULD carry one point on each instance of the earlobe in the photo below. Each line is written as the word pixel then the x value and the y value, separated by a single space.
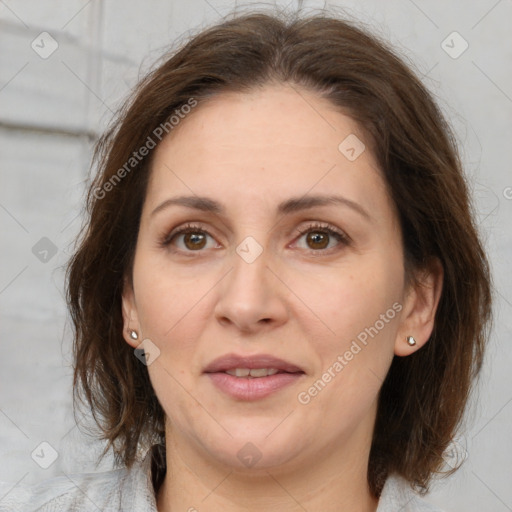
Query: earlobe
pixel 131 326
pixel 419 313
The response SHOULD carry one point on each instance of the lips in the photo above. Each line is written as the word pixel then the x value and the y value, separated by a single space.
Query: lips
pixel 233 361
pixel 264 383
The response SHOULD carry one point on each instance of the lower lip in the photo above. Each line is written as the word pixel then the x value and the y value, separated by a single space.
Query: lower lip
pixel 245 388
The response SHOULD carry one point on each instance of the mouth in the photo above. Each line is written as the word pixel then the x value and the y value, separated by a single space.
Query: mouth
pixel 255 373
pixel 252 378
pixel 257 366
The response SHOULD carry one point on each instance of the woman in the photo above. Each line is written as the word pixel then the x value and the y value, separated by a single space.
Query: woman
pixel 280 298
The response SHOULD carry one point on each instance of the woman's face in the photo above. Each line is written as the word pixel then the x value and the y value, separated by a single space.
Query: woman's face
pixel 268 267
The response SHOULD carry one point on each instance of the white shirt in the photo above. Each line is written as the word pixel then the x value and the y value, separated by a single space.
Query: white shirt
pixel 123 490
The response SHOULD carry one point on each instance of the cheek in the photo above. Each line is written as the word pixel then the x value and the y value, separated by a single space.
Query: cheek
pixel 353 363
pixel 354 342
pixel 171 314
pixel 168 302
pixel 343 302
pixel 170 381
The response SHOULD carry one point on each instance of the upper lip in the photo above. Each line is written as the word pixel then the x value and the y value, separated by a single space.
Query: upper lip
pixel 232 361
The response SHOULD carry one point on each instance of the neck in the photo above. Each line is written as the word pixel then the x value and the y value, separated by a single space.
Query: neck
pixel 336 480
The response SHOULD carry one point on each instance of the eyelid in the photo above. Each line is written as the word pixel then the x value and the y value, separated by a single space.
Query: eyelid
pixel 320 226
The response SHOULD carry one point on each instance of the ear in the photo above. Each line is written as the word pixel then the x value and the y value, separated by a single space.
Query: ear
pixel 130 316
pixel 421 301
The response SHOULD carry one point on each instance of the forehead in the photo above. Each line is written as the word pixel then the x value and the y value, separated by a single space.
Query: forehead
pixel 279 140
pixel 269 116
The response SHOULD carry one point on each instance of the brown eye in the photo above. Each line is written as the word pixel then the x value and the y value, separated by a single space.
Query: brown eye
pixel 320 238
pixel 194 241
pixel 317 240
pixel 189 239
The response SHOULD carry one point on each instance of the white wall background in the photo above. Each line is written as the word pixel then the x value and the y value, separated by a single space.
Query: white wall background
pixel 51 110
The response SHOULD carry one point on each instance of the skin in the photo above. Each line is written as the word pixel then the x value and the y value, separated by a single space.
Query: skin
pixel 303 300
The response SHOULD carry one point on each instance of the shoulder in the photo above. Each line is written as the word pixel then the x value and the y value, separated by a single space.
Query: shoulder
pixel 398 495
pixel 111 491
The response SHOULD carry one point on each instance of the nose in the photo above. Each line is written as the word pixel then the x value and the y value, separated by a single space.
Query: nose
pixel 251 297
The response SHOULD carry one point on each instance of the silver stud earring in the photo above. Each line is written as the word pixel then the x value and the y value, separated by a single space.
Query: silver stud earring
pixel 134 335
pixel 411 341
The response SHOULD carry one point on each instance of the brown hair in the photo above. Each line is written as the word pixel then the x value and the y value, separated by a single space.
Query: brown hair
pixel 424 395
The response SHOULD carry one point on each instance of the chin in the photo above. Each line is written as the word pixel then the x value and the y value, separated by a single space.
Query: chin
pixel 255 451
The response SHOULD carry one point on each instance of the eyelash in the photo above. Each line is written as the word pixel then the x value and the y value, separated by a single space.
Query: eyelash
pixel 323 228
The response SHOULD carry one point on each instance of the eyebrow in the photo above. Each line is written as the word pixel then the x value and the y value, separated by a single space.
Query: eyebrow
pixel 291 205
